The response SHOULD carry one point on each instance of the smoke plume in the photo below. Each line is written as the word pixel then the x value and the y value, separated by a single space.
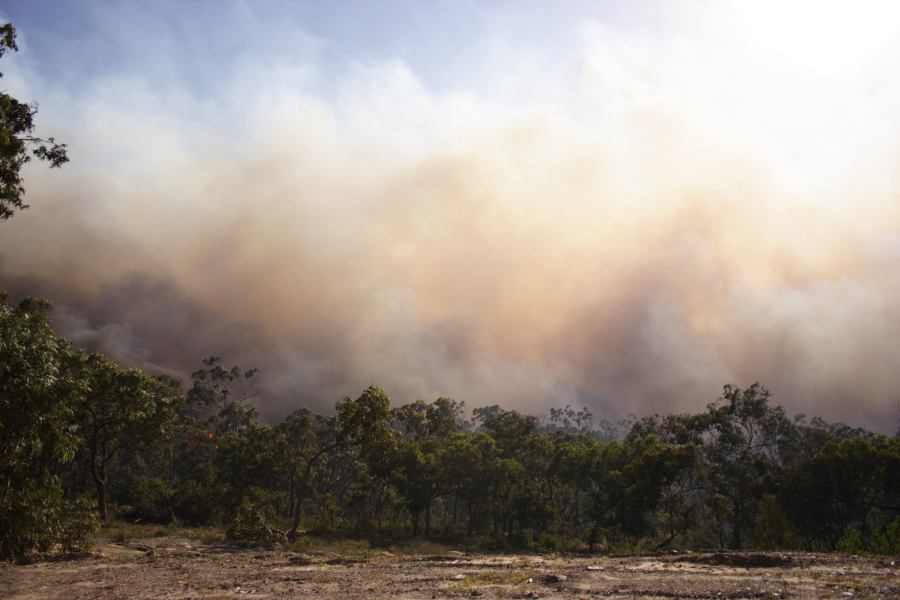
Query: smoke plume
pixel 628 229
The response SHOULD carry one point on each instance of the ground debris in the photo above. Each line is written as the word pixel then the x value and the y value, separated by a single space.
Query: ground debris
pixel 215 571
pixel 748 560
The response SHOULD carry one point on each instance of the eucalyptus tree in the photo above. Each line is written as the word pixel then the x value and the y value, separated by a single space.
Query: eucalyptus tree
pixel 743 438
pixel 363 422
pixel 424 428
pixel 116 406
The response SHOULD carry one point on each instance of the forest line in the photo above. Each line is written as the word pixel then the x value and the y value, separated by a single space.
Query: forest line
pixel 86 440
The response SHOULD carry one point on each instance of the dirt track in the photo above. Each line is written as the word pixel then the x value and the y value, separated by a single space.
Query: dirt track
pixel 180 568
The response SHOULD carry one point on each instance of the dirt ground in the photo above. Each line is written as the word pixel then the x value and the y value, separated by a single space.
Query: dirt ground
pixel 175 567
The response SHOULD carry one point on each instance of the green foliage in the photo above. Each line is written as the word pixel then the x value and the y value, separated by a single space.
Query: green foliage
pixel 774 531
pixel 152 500
pixel 739 474
pixel 197 502
pixel 36 431
pixel 79 520
pixel 887 541
pixel 18 144
pixel 251 524
pixel 851 542
pixel 115 406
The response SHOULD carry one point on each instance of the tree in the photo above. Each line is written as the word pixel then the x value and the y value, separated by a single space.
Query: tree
pixel 849 484
pixel 742 452
pixel 116 406
pixel 468 464
pixel 363 422
pixel 425 427
pixel 35 426
pixel 18 144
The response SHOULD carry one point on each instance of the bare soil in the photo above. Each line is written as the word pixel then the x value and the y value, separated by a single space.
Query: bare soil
pixel 179 568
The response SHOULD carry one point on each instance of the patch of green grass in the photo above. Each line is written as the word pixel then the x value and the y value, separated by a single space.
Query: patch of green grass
pixel 507 577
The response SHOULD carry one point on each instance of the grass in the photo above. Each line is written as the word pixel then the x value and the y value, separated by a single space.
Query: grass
pixel 337 543
pixel 493 578
pixel 121 531
pixel 345 544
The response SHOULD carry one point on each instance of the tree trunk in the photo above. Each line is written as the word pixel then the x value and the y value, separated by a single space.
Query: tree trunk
pixel 736 531
pixel 291 488
pixel 300 495
pixel 99 477
pixel 592 538
pixel 98 474
pixel 415 523
pixel 303 485
pixel 427 518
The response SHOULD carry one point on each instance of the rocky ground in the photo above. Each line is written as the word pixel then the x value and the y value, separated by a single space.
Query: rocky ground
pixel 175 567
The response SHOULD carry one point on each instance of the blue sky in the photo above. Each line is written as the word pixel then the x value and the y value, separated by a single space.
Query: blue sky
pixel 202 38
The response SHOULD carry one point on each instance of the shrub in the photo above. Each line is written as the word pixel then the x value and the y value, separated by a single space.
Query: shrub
pixel 152 500
pixel 79 519
pixel 197 502
pixel 887 542
pixel 774 530
pixel 851 542
pixel 251 524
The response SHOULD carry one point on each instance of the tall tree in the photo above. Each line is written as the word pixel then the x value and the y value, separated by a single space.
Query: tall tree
pixel 742 452
pixel 363 422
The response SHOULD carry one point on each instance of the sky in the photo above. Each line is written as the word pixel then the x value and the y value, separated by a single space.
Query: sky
pixel 617 205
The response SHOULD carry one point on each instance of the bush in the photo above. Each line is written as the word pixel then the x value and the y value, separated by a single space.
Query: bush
pixel 251 524
pixel 79 519
pixel 851 542
pixel 774 530
pixel 198 502
pixel 887 542
pixel 30 519
pixel 152 500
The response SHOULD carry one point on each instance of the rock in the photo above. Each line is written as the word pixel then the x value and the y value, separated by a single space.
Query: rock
pixel 594 568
